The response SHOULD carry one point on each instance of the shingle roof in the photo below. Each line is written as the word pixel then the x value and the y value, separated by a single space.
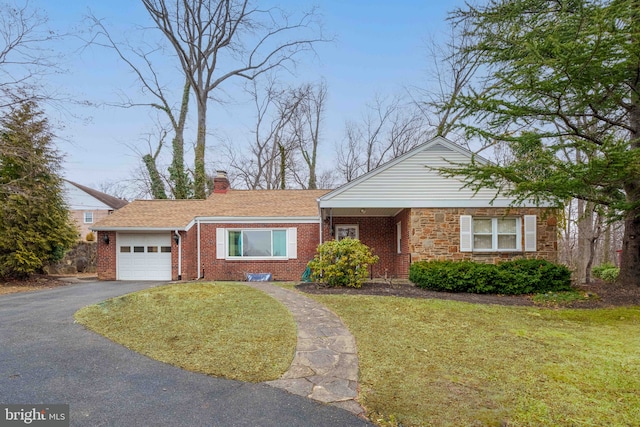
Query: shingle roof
pixel 111 201
pixel 177 214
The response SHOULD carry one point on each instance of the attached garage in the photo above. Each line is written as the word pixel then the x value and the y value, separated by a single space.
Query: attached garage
pixel 143 256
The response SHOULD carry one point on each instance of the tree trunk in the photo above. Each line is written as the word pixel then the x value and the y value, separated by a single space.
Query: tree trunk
pixel 177 174
pixel 283 166
pixel 312 185
pixel 630 262
pixel 606 250
pixel 583 242
pixel 157 187
pixel 199 178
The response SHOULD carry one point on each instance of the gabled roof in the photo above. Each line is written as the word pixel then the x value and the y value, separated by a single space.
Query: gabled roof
pixel 234 204
pixel 413 181
pixel 111 201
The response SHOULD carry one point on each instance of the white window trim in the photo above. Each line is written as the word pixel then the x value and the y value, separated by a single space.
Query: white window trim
pixel 84 217
pixel 494 234
pixel 399 237
pixel 339 226
pixel 223 247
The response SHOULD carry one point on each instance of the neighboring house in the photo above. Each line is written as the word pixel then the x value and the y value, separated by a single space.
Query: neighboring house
pixel 88 206
pixel 404 210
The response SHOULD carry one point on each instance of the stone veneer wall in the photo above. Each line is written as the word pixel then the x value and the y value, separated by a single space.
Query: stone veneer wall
pixel 435 234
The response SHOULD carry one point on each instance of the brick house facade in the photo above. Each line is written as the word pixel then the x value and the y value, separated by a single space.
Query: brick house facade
pixel 404 211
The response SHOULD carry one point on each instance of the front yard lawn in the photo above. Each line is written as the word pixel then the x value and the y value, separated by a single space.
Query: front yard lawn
pixel 422 361
pixel 225 330
pixel 447 363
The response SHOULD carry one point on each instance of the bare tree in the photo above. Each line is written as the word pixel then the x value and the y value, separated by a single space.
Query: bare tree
pixel 306 128
pixel 25 54
pixel 452 70
pixel 216 40
pixel 387 130
pixel 268 158
pixel 141 62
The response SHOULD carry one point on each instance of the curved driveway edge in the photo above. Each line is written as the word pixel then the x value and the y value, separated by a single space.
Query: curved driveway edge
pixel 46 358
pixel 325 366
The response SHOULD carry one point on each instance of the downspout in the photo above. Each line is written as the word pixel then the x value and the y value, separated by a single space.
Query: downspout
pixel 321 221
pixel 179 254
pixel 199 269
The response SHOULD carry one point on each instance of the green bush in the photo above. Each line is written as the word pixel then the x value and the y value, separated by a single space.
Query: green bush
pixel 607 272
pixel 523 276
pixel 342 263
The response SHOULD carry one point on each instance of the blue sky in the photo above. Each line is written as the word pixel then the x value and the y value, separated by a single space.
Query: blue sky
pixel 379 49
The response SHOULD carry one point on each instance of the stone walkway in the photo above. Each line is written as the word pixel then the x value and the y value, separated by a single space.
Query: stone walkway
pixel 325 366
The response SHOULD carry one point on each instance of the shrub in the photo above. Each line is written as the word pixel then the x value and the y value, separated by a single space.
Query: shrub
pixel 342 263
pixel 511 277
pixel 90 237
pixel 607 272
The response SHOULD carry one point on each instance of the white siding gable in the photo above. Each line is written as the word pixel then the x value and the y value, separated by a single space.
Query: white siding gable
pixel 410 181
pixel 79 200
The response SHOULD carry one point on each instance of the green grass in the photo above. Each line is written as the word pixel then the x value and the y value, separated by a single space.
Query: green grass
pixel 559 299
pixel 446 363
pixel 225 330
pixel 422 362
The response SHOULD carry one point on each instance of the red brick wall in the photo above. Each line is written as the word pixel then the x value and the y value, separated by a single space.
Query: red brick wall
pixel 221 269
pixel 379 234
pixel 106 256
pixel 403 259
pixel 190 254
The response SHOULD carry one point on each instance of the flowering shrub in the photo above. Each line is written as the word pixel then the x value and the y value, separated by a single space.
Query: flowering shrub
pixel 342 263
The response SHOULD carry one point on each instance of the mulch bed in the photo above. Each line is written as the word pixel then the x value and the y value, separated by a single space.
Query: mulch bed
pixel 606 295
pixel 35 282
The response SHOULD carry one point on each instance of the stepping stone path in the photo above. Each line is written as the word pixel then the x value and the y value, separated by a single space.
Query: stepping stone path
pixel 325 366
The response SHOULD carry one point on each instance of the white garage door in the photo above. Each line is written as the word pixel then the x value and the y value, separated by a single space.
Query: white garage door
pixel 144 256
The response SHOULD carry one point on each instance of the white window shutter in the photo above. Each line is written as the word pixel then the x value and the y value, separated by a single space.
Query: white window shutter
pixel 292 236
pixel 530 237
pixel 466 233
pixel 220 243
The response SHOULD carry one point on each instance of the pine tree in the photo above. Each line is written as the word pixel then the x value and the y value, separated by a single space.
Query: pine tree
pixel 35 227
pixel 563 82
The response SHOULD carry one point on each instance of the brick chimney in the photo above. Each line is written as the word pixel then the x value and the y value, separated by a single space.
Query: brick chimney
pixel 221 182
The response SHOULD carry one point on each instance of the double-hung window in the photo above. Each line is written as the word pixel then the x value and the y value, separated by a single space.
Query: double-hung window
pixel 88 217
pixel 497 234
pixel 257 243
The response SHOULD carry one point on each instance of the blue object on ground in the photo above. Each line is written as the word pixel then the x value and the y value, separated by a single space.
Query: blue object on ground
pixel 259 277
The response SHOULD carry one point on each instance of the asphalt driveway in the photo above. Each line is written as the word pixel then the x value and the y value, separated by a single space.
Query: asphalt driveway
pixel 46 358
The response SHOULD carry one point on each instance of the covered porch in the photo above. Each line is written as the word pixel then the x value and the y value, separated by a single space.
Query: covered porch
pixel 384 230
